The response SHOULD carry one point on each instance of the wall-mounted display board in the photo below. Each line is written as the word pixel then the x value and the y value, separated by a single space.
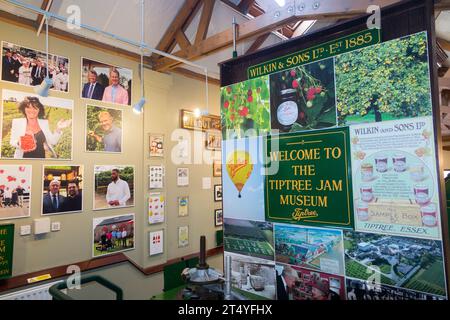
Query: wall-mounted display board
pixel 336 131
pixel 6 250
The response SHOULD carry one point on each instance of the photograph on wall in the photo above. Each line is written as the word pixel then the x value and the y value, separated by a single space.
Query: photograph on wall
pixel 365 290
pixel 183 236
pixel 156 177
pixel 410 263
pixel 218 217
pixel 387 81
pixel 156 242
pixel 311 248
pixel 217 169
pixel 113 187
pixel 15 191
pixel 394 178
pixel 303 98
pixel 250 238
pixel 214 140
pixel 218 195
pixel 156 143
pixel 106 83
pixel 62 189
pixel 245 108
pixel 182 177
pixel 243 179
pixel 103 129
pixel 252 278
pixel 28 67
pixel 156 208
pixel 35 127
pixel 303 284
pixel 183 206
pixel 113 234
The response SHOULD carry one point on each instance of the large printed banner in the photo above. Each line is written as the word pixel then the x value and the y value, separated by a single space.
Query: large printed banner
pixel 6 250
pixel 394 178
pixel 312 184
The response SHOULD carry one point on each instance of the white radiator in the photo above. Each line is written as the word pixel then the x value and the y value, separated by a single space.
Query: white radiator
pixel 33 293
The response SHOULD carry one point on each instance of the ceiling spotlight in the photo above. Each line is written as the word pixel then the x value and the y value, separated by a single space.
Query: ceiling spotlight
pixel 137 108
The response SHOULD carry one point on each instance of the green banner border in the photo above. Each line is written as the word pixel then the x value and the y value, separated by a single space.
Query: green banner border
pixel 376 39
pixel 9 254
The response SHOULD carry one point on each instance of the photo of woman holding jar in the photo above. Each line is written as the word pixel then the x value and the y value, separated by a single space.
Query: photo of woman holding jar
pixel 36 127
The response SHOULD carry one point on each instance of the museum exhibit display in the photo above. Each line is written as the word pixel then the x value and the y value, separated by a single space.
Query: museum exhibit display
pixel 225 150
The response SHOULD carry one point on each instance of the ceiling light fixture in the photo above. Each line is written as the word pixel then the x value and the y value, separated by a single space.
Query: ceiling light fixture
pixel 47 83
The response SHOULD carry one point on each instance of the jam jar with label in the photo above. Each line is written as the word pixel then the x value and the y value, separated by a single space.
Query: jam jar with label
pixel 287 111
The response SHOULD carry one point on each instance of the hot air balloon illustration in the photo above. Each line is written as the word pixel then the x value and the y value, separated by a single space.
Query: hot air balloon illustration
pixel 239 167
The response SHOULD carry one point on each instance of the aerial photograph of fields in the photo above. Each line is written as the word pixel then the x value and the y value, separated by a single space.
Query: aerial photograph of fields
pixel 415 264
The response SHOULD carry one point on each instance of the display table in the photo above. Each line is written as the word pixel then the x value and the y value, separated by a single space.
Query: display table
pixel 172 294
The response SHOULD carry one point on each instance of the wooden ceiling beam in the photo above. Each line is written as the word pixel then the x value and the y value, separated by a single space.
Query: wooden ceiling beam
pixel 444 44
pixel 205 19
pixel 182 40
pixel 255 27
pixel 46 5
pixel 245 5
pixel 258 43
pixel 266 23
pixel 180 22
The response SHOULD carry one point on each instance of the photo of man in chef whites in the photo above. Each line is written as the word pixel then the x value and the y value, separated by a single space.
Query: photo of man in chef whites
pixel 114 187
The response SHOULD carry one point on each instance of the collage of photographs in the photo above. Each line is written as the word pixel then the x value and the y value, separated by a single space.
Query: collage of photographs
pixel 393 249
pixel 41 128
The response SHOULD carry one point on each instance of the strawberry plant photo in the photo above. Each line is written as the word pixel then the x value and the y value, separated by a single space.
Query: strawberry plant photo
pixel 387 81
pixel 303 98
pixel 245 106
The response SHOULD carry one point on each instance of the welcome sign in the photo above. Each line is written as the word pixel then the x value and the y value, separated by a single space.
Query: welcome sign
pixel 312 185
pixel 6 250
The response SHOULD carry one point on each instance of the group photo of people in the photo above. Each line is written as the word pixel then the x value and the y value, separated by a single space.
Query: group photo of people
pixel 28 67
pixel 106 83
pixel 113 234
pixel 35 127
pixel 103 129
pixel 15 191
pixel 114 187
pixel 62 189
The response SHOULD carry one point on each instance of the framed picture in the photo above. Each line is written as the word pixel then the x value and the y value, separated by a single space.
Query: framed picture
pixel 218 217
pixel 156 145
pixel 104 128
pixel 183 236
pixel 15 191
pixel 62 190
pixel 217 169
pixel 113 234
pixel 214 140
pixel 156 177
pixel 182 177
pixel 156 242
pixel 27 67
pixel 156 208
pixel 183 206
pixel 113 187
pixel 190 121
pixel 53 140
pixel 218 192
pixel 98 79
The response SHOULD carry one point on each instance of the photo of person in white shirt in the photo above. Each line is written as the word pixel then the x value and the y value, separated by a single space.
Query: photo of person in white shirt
pixel 114 187
pixel 118 192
